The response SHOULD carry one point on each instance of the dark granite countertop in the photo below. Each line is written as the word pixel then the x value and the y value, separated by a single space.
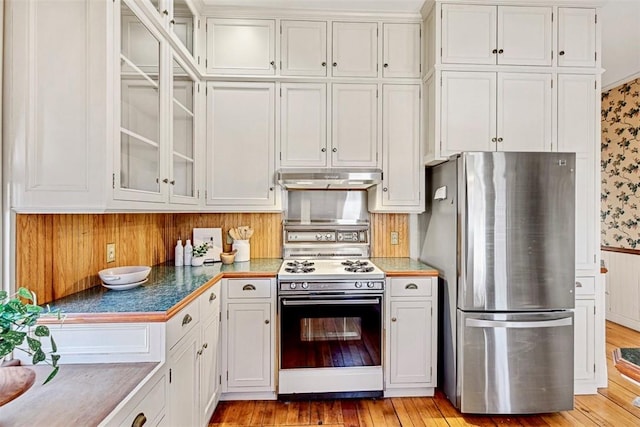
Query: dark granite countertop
pixel 167 287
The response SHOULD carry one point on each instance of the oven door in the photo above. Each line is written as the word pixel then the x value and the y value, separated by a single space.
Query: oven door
pixel 330 343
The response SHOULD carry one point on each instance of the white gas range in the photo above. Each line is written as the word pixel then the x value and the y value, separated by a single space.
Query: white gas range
pixel 330 302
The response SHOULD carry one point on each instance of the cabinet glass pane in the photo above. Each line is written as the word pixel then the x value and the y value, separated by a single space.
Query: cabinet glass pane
pixel 139 105
pixel 183 25
pixel 183 131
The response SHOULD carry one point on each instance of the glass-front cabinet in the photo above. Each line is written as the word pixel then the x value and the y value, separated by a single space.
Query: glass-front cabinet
pixel 155 156
pixel 141 90
pixel 178 15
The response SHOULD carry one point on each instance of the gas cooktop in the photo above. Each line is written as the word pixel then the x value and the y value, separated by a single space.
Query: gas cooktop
pixel 329 269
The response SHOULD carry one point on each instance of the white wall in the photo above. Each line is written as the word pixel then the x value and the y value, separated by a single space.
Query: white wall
pixel 620 42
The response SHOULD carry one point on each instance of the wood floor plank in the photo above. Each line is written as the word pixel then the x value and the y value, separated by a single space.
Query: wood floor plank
pixel 610 407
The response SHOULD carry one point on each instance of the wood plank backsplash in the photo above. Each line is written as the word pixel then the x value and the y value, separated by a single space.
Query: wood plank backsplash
pixel 58 255
pixel 381 227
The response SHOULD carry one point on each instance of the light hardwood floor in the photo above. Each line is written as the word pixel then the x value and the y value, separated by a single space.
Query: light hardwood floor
pixel 610 407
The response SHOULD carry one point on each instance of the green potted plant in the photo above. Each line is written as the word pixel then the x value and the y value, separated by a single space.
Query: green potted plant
pixel 198 254
pixel 18 324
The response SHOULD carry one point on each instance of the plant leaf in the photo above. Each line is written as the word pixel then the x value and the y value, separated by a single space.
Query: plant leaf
pixel 54 359
pixel 52 374
pixel 3 295
pixel 33 308
pixel 42 331
pixel 14 338
pixel 25 293
pixel 54 346
pixel 38 357
pixel 34 345
pixel 5 348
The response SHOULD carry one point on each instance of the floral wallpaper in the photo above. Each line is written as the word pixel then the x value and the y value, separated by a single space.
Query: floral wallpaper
pixel 620 196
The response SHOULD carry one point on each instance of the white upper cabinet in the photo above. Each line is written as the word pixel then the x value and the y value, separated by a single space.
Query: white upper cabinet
pixel 303 48
pixel 483 111
pixel 577 37
pixel 240 46
pixel 182 24
pixel 240 145
pixel 505 35
pixel 402 180
pixel 303 125
pixel 354 125
pixel 468 113
pixel 355 49
pixel 401 50
pixel 469 34
pixel 524 126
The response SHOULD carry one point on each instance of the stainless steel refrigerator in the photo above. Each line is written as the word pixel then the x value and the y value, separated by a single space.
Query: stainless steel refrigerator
pixel 500 229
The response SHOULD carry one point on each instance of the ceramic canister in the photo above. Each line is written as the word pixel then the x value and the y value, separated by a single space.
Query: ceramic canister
pixel 243 248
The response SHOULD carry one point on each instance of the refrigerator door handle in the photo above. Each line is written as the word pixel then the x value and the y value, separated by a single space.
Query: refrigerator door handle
pixel 477 323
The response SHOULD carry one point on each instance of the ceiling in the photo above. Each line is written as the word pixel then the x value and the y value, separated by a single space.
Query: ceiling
pixel 404 6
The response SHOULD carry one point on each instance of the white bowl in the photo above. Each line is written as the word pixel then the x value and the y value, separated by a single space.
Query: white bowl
pixel 124 287
pixel 124 275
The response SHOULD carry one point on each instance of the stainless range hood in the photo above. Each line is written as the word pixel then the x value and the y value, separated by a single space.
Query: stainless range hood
pixel 329 179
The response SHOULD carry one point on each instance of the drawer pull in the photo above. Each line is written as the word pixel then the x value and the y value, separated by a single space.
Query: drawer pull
pixel 411 286
pixel 212 297
pixel 578 285
pixel 186 319
pixel 266 322
pixel 249 287
pixel 393 319
pixel 139 420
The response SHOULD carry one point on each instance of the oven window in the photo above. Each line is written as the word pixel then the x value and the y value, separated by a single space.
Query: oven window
pixel 330 333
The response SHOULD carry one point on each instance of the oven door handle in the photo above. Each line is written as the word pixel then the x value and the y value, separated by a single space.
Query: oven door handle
pixel 295 302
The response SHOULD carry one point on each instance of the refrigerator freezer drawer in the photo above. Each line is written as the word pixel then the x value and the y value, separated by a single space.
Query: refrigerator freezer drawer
pixel 515 363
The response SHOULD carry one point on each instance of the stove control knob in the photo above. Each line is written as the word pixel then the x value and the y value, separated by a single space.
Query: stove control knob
pixel 358 284
pixel 355 236
pixel 293 285
pixel 318 236
pixel 328 236
pixel 370 284
pixel 305 285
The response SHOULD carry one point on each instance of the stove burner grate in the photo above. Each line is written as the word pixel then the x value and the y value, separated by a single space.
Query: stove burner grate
pixel 299 269
pixel 359 269
pixel 355 264
pixel 300 264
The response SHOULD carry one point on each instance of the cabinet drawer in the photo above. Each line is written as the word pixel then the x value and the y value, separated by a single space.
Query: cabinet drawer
pixel 249 288
pixel 151 407
pixel 209 302
pixel 180 324
pixel 410 287
pixel 585 285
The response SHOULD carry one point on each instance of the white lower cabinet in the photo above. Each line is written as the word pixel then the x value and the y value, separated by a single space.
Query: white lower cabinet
pixel 590 366
pixel 193 361
pixel 249 338
pixel 411 336
pixel 584 365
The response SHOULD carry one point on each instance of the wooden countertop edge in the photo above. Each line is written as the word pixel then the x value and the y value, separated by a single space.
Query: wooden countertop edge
pixel 155 316
pixel 412 273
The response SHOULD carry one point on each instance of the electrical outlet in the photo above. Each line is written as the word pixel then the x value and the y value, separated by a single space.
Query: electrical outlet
pixel 394 237
pixel 111 252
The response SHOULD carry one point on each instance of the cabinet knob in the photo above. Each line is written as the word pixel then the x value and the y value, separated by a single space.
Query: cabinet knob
pixel 165 12
pixel 186 319
pixel 266 322
pixel 200 352
pixel 335 64
pixel 273 64
pixel 334 149
pixel 270 188
pixel 385 189
pixel 393 319
pixel 494 51
pixel 561 53
pixel 494 139
pixel 499 139
pixel 386 65
pixel 166 180
pixel 173 21
pixel 205 345
pixel 249 287
pixel 139 420
pixel 172 182
pixel 323 149
pixel 212 297
pixel 501 51
pixel 324 64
